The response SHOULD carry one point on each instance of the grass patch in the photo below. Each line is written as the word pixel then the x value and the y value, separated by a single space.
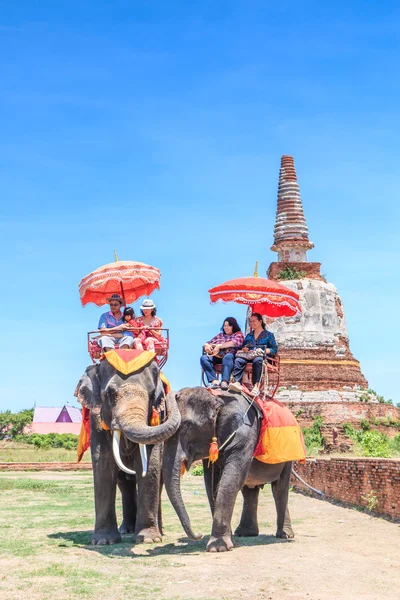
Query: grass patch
pixel 35 485
pixel 21 452
pixel 313 439
pixel 45 533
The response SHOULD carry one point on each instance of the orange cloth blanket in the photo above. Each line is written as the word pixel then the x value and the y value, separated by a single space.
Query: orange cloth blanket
pixel 84 436
pixel 280 438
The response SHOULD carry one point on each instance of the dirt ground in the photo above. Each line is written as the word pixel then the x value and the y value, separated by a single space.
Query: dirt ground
pixel 338 553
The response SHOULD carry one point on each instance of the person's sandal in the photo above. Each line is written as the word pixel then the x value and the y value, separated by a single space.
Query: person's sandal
pixel 224 385
pixel 213 386
pixel 255 391
pixel 235 386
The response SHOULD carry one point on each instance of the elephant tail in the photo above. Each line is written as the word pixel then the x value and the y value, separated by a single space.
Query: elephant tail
pixel 307 484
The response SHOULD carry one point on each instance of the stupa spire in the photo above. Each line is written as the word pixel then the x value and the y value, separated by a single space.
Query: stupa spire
pixel 290 232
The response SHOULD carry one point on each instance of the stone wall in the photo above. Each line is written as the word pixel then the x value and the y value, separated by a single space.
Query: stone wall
pixel 373 483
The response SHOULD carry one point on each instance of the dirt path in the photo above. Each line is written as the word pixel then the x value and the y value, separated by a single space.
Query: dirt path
pixel 338 553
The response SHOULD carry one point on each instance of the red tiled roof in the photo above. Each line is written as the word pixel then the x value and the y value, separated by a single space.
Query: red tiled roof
pixel 290 225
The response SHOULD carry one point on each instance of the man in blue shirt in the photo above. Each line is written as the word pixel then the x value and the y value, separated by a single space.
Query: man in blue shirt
pixel 110 325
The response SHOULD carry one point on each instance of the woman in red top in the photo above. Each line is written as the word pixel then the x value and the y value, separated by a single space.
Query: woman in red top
pixel 143 327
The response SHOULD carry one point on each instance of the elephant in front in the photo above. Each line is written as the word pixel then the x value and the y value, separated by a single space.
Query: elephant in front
pixel 126 451
pixel 229 418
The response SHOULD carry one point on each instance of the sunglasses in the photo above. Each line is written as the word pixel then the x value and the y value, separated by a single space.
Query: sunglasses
pixel 115 304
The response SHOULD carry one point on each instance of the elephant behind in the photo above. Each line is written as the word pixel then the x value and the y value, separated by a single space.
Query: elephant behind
pixel 202 417
pixel 125 449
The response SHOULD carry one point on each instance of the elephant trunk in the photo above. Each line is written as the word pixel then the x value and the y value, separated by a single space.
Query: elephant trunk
pixel 131 415
pixel 173 456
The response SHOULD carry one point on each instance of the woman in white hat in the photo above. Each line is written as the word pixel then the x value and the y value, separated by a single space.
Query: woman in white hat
pixel 146 336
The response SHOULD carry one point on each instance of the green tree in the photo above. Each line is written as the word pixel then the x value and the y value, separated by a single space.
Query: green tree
pixel 13 423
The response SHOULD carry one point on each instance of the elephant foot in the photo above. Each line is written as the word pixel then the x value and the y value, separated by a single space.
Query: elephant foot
pixel 102 538
pixel 246 531
pixel 285 535
pixel 220 544
pixel 126 527
pixel 149 535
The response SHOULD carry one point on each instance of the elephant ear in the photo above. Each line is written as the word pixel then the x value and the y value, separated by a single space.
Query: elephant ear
pixel 87 391
pixel 88 394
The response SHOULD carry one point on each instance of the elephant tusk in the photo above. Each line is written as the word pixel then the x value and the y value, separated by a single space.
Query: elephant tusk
pixel 143 456
pixel 115 445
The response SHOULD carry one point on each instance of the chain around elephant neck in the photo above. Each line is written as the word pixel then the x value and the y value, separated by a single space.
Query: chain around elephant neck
pixel 250 400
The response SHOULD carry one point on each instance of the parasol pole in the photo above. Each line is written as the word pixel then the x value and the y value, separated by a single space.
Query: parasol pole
pixel 256 270
pixel 122 287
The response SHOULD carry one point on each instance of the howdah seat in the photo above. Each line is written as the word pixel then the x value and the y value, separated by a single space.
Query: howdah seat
pixel 270 376
pixel 161 347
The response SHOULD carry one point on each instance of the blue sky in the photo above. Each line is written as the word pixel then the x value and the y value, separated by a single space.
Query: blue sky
pixel 157 129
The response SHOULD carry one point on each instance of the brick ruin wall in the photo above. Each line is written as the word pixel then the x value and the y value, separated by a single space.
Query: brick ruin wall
pixel 312 270
pixel 310 376
pixel 373 483
pixel 346 412
pixel 45 466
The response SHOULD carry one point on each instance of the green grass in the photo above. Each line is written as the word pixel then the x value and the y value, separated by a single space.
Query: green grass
pixel 46 522
pixel 21 452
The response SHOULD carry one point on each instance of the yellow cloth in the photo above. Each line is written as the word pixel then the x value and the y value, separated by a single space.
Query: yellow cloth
pixel 282 444
pixel 280 439
pixel 167 385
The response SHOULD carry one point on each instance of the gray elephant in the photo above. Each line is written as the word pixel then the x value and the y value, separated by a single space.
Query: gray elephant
pixel 125 449
pixel 204 416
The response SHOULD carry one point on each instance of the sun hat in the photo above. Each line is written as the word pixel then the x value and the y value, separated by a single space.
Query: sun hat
pixel 116 297
pixel 148 303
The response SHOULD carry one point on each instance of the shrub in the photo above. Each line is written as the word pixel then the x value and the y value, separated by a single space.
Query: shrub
pixel 197 469
pixel 374 443
pixel 365 425
pixel 69 441
pixel 312 436
pixel 371 500
pixel 395 444
pixel 370 443
pixel 291 273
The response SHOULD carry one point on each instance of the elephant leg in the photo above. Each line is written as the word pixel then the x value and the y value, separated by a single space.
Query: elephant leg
pixel 160 519
pixel 248 525
pixel 212 476
pixel 127 487
pixel 232 479
pixel 280 491
pixel 147 523
pixel 105 473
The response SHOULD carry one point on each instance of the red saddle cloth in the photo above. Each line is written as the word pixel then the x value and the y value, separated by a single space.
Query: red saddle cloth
pixel 280 439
